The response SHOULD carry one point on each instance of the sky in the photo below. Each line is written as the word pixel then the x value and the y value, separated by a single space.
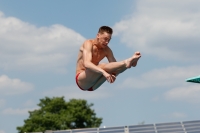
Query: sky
pixel 39 43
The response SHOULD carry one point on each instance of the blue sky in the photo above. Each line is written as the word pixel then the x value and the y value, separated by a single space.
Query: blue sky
pixel 39 42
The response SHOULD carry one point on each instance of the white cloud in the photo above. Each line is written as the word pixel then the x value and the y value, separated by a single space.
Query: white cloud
pixel 2 102
pixel 178 115
pixel 74 92
pixel 27 47
pixel 11 111
pixel 1 131
pixel 29 103
pixel 166 29
pixel 165 77
pixel 156 99
pixel 172 78
pixel 185 93
pixel 10 86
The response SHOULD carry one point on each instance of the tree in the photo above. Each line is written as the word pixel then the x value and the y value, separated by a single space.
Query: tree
pixel 57 114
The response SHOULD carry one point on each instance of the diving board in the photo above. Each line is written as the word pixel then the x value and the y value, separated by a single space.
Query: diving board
pixel 194 79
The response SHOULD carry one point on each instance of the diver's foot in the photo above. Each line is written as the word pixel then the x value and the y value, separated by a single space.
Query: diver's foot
pixel 133 60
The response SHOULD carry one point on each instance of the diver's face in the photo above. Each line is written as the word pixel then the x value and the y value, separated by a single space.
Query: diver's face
pixel 103 39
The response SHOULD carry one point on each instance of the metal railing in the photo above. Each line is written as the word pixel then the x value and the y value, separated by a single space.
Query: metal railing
pixel 173 127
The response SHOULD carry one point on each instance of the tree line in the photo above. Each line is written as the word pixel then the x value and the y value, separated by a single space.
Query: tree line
pixel 57 114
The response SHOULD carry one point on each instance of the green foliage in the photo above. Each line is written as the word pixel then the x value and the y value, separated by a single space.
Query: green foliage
pixel 57 114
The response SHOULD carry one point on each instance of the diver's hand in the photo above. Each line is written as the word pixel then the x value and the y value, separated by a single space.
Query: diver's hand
pixel 109 77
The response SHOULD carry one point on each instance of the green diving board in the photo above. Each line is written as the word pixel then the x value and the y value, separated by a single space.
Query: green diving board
pixel 194 79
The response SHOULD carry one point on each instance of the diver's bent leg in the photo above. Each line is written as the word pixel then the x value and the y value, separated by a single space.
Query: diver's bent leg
pixel 101 80
pixel 113 67
pixel 121 65
pixel 88 78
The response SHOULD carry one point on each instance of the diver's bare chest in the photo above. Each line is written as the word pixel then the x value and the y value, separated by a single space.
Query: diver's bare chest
pixel 98 54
